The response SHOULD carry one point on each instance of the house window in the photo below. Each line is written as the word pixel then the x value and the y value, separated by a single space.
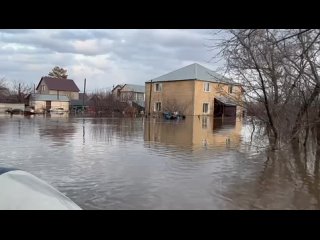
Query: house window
pixel 157 106
pixel 206 87
pixel 43 88
pixel 158 87
pixel 230 89
pixel 205 108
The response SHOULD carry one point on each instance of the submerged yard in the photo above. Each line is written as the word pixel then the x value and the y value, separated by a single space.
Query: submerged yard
pixel 125 163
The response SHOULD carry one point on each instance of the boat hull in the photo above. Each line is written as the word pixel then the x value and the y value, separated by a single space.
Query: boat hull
pixel 21 190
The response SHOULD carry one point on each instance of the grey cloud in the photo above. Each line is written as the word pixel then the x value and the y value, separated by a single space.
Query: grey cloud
pixel 14 31
pixel 81 34
pixel 107 57
pixel 46 41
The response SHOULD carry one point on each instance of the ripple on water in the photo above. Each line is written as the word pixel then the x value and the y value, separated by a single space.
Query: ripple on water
pixel 134 164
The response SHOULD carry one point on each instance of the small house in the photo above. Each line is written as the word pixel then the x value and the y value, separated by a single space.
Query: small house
pixel 58 87
pixel 132 94
pixel 44 102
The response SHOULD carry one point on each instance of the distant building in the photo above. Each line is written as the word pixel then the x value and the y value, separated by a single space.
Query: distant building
pixel 81 103
pixel 132 94
pixel 116 91
pixel 193 90
pixel 58 87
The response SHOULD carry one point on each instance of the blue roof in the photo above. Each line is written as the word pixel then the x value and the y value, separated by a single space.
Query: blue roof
pixel 49 97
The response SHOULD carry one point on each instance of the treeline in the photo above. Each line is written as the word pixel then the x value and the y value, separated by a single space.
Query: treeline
pixel 279 70
pixel 103 103
pixel 14 92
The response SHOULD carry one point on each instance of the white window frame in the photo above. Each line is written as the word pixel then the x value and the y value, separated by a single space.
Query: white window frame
pixel 203 108
pixel 160 87
pixel 205 86
pixel 155 107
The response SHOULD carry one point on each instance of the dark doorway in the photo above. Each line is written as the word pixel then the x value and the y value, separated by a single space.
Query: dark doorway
pixel 221 109
pixel 218 108
pixel 230 111
pixel 48 105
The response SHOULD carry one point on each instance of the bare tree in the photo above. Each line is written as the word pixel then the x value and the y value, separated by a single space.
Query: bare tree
pixel 4 91
pixel 3 86
pixel 104 103
pixel 20 90
pixel 278 70
pixel 2 83
pixel 172 105
pixel 58 72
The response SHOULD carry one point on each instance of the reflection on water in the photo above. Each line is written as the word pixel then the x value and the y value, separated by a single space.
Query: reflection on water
pixel 59 131
pixel 197 163
pixel 195 132
pixel 283 183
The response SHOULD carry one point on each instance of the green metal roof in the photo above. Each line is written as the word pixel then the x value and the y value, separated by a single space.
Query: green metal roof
pixel 49 97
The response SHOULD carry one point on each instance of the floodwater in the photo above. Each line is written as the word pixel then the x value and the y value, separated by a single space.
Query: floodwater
pixel 125 163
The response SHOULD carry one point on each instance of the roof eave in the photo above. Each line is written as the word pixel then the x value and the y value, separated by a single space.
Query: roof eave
pixel 195 79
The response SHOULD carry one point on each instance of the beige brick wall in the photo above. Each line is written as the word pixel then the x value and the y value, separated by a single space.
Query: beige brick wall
pixel 216 89
pixel 180 93
pixel 190 94
pixel 40 106
pixel 203 97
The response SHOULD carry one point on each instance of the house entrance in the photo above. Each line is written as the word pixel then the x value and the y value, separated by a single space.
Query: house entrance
pixel 224 108
pixel 48 105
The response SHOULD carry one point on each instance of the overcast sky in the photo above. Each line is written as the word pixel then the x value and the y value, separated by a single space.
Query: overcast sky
pixel 104 57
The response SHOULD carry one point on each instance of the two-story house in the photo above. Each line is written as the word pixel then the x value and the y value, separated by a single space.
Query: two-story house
pixel 130 93
pixel 53 93
pixel 58 87
pixel 116 91
pixel 194 90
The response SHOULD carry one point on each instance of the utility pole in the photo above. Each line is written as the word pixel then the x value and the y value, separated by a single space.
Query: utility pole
pixel 150 97
pixel 84 93
pixel 19 92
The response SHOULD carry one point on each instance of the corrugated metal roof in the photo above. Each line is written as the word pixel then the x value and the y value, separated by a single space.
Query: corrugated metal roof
pixel 194 71
pixel 60 84
pixel 135 88
pixel 226 101
pixel 49 97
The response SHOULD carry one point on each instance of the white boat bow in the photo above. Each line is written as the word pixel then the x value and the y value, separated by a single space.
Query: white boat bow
pixel 20 190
